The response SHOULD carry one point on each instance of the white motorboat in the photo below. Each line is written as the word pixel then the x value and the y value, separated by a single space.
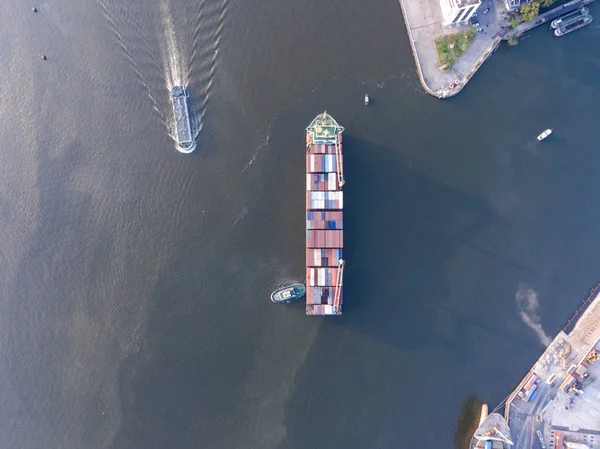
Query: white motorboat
pixel 367 99
pixel 545 134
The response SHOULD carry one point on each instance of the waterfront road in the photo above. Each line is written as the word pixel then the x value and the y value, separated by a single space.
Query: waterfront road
pixel 525 421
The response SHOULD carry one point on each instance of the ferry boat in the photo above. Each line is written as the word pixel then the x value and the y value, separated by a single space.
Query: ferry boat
pixel 288 294
pixel 573 25
pixel 544 134
pixel 183 129
pixel 556 23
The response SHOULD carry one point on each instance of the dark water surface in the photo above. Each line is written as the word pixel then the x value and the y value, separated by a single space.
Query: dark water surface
pixel 134 310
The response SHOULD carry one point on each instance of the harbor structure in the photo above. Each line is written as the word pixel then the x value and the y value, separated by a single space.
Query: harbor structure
pixel 324 217
pixel 458 12
pixel 492 433
pixel 513 5
pixel 557 404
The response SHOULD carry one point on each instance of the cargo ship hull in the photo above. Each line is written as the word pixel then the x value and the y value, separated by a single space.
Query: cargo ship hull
pixel 324 217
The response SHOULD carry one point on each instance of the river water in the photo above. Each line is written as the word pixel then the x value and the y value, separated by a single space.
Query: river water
pixel 134 310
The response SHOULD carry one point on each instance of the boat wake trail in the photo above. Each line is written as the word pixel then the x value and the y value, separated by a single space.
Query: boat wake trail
pixel 184 58
pixel 125 13
pixel 173 54
pixel 527 307
pixel 205 54
pixel 163 50
pixel 265 142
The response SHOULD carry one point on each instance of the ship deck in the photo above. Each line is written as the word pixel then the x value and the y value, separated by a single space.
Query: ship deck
pixel 324 217
pixel 179 96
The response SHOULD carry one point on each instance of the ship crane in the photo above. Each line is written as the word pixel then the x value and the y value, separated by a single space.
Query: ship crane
pixel 339 283
pixel 338 160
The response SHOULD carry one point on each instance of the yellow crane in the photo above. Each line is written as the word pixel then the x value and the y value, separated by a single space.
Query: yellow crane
pixel 339 283
pixel 338 161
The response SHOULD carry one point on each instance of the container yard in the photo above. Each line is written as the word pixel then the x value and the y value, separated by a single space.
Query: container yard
pixel 324 217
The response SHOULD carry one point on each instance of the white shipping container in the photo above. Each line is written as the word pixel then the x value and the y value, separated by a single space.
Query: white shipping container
pixel 317 204
pixel 321 276
pixel 331 182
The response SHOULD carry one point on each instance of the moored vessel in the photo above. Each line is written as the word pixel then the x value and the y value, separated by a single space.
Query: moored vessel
pixel 556 23
pixel 573 25
pixel 544 134
pixel 289 293
pixel 324 217
pixel 183 130
pixel 492 433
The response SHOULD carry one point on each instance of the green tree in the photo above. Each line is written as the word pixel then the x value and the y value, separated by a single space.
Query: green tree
pixel 529 11
pixel 546 3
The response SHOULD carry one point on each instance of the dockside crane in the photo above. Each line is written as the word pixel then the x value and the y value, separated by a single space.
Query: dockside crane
pixel 339 283
pixel 338 162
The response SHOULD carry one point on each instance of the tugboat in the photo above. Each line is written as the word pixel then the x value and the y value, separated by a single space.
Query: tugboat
pixel 288 294
pixel 367 100
pixel 545 134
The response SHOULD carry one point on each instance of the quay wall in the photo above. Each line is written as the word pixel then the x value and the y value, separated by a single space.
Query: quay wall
pixel 415 53
pixel 548 16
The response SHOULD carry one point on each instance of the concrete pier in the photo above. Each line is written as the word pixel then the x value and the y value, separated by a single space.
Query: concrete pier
pixel 558 400
pixel 548 17
pixel 423 20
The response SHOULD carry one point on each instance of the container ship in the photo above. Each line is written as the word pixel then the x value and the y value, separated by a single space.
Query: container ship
pixel 183 129
pixel 324 217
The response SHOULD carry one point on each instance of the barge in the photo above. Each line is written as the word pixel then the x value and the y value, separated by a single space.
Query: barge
pixel 183 130
pixel 573 25
pixel 564 20
pixel 324 217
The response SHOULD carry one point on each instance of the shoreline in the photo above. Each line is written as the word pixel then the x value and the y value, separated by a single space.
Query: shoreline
pixel 550 397
pixel 422 19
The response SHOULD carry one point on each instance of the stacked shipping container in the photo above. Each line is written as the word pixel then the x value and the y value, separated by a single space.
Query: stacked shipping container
pixel 324 217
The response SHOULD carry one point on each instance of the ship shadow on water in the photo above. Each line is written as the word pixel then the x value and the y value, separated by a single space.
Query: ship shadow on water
pixel 402 229
pixel 468 421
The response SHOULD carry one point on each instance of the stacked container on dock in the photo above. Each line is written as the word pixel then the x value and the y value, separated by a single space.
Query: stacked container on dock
pixel 324 217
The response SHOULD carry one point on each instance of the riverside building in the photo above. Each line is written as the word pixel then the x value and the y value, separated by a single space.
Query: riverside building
pixel 458 12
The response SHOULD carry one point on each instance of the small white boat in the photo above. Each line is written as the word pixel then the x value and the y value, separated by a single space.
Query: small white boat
pixel 545 134
pixel 367 100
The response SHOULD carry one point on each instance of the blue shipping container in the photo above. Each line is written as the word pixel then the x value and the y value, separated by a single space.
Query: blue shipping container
pixel 488 444
pixel 533 395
